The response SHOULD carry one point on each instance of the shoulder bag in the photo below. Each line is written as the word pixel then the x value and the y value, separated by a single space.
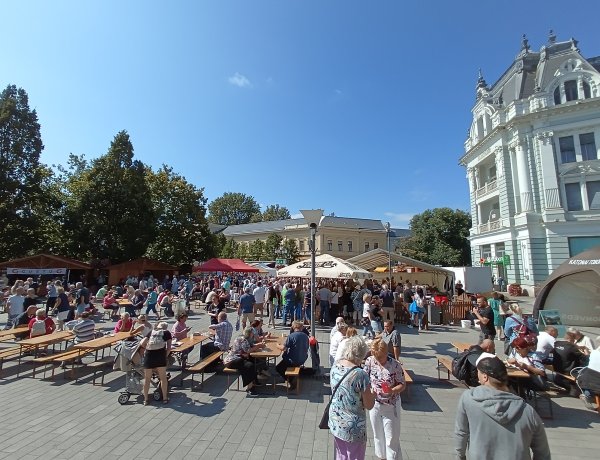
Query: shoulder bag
pixel 324 424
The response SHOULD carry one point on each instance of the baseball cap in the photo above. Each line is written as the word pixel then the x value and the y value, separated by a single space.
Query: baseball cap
pixel 493 367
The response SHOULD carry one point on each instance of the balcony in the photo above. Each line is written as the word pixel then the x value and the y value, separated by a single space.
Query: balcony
pixel 489 226
pixel 488 188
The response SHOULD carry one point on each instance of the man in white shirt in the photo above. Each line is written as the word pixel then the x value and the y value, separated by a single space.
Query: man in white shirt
pixel 339 320
pixel 582 341
pixel 337 338
pixel 545 344
pixel 15 306
pixel 259 297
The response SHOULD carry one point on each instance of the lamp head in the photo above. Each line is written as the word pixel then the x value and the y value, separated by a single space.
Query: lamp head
pixel 312 217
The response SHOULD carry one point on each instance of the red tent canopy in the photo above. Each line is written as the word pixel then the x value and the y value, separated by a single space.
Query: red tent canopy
pixel 225 265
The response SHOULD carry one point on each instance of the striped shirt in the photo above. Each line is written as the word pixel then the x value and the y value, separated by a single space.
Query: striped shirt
pixel 83 329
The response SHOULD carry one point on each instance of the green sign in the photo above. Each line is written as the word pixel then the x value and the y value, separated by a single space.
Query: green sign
pixel 280 262
pixel 504 260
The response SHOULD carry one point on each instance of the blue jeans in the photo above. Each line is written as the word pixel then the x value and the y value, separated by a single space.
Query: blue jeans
pixel 288 310
pixel 298 312
pixel 278 311
pixel 418 315
pixel 368 329
pixel 324 311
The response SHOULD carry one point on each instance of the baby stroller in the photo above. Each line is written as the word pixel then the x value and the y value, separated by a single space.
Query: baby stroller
pixel 129 361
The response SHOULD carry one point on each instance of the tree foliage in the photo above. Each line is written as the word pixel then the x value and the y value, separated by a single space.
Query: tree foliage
pixel 110 213
pixel 233 209
pixel 292 251
pixel 229 250
pixel 256 250
pixel 25 208
pixel 439 237
pixel 275 212
pixel 181 231
pixel 272 244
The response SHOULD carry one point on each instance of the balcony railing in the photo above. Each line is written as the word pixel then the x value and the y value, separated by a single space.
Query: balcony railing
pixel 490 226
pixel 487 188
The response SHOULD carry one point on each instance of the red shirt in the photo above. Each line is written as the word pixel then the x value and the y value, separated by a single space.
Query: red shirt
pixel 49 325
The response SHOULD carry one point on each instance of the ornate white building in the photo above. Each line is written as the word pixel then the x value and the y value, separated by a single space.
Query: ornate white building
pixel 532 163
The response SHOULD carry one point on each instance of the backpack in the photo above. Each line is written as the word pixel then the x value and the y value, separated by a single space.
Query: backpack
pixel 156 340
pixel 464 368
pixel 523 331
pixel 38 328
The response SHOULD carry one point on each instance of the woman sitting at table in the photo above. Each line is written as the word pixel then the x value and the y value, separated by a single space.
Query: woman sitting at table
pixel 215 307
pixel 239 358
pixel 180 331
pixel 109 302
pixel 522 357
pixel 157 347
pixel 137 302
pixel 142 326
pixel 124 324
pixel 259 334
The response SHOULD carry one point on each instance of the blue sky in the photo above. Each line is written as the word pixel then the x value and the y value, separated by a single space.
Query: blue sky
pixel 360 108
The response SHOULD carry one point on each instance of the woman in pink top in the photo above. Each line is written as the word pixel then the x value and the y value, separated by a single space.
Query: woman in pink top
pixel 124 324
pixel 110 303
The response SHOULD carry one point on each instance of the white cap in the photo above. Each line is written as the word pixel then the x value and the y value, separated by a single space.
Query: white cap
pixel 484 355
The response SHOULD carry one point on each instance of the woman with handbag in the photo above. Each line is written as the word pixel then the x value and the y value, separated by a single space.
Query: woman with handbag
pixel 351 395
pixel 387 382
pixel 157 346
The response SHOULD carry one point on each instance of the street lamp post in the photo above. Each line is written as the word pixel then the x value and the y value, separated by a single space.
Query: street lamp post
pixel 387 229
pixel 312 218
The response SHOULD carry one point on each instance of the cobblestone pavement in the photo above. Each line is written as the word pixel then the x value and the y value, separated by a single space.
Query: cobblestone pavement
pixel 61 419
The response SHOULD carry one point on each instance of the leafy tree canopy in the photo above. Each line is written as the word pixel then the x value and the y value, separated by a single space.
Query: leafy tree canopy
pixel 233 209
pixel 439 237
pixel 275 212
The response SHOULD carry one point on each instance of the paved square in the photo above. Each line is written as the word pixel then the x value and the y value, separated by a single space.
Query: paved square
pixel 61 419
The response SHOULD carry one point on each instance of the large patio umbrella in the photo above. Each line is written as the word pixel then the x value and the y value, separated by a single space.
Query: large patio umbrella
pixel 326 266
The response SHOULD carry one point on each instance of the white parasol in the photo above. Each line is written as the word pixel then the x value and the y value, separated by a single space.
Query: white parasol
pixel 326 266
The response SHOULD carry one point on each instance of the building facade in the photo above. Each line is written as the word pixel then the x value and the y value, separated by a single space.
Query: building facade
pixel 342 237
pixel 532 163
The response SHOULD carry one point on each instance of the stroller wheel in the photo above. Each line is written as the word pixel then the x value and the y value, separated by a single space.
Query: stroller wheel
pixel 123 398
pixel 157 395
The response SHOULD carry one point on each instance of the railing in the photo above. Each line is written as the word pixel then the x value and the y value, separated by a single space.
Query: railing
pixel 490 226
pixel 487 188
pixel 454 312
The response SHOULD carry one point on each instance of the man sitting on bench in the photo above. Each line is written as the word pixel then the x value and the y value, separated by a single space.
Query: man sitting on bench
pixel 221 333
pixel 295 351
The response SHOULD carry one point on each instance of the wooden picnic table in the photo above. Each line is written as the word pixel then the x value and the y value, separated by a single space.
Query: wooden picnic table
pixel 461 346
pixel 270 352
pixel 103 342
pixel 14 330
pixel 184 344
pixel 43 341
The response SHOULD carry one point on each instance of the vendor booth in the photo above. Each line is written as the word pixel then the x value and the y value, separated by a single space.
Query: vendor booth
pixel 573 289
pixel 141 266
pixel 225 265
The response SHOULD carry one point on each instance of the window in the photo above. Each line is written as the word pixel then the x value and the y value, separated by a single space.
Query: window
pixel 340 246
pixel 486 251
pixel 376 245
pixel 586 90
pixel 578 244
pixel 367 246
pixel 588 147
pixel 329 245
pixel 567 149
pixel 571 90
pixel 593 192
pixel 573 192
pixel 349 246
pixel 301 245
pixel 557 95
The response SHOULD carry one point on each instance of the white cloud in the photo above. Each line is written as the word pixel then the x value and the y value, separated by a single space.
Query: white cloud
pixel 239 80
pixel 399 219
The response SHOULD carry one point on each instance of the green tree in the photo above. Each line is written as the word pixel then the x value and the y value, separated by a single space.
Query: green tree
pixel 272 244
pixel 229 250
pixel 275 212
pixel 233 209
pixel 439 237
pixel 292 251
pixel 181 231
pixel 109 212
pixel 241 251
pixel 24 203
pixel 256 250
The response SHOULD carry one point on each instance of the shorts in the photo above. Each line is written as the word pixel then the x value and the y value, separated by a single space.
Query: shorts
pixel 247 317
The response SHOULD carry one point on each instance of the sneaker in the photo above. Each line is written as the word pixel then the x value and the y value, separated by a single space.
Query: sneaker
pixel 410 326
pixel 252 392
pixel 293 385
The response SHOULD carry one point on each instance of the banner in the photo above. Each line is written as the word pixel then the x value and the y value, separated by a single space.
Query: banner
pixel 36 271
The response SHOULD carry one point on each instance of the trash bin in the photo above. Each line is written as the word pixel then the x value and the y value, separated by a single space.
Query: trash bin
pixel 434 313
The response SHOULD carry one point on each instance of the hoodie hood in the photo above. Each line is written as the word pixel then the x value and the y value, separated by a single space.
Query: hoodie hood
pixel 501 406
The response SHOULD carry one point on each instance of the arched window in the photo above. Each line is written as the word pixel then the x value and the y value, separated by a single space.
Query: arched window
pixel 557 96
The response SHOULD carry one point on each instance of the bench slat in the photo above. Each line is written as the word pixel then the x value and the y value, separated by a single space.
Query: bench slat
pixel 201 365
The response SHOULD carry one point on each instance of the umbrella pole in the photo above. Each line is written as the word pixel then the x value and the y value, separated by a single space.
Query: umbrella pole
pixel 313 280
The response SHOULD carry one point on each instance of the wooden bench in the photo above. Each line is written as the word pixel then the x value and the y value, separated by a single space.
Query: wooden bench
pixel 444 362
pixel 408 381
pixel 65 356
pixel 200 367
pixel 11 353
pixel 295 373
pixel 99 366
pixel 229 372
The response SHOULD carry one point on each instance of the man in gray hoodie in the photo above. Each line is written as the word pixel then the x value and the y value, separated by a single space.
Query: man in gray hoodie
pixel 492 423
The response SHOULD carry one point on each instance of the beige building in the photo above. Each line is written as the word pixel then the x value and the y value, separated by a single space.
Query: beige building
pixel 342 237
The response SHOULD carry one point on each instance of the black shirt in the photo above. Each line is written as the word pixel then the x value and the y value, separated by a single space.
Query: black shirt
pixel 407 296
pixel 488 329
pixel 566 356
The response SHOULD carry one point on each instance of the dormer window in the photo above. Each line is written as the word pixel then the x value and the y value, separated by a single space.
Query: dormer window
pixel 570 91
